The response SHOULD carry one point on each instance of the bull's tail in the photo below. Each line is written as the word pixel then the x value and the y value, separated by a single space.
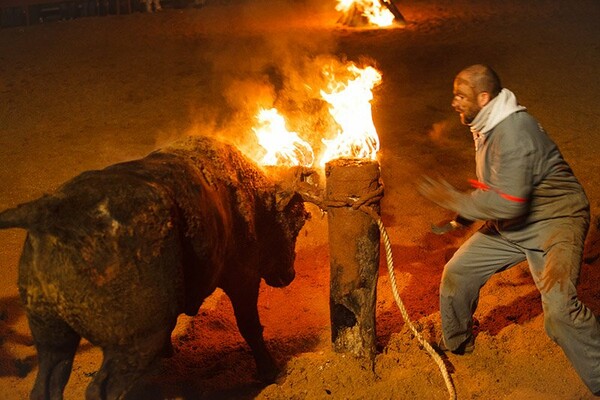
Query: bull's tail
pixel 27 215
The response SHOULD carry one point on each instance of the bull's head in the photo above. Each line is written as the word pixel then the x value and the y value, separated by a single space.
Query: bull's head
pixel 277 261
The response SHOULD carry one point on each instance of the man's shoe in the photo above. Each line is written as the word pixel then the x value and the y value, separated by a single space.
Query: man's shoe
pixel 465 347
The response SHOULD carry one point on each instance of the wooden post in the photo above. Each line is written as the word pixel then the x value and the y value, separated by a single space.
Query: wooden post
pixel 354 256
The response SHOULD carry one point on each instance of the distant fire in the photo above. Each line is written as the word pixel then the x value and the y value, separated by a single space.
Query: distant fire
pixel 373 10
pixel 376 13
pixel 349 96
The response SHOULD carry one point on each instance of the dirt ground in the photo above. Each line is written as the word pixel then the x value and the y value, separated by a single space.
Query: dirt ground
pixel 85 93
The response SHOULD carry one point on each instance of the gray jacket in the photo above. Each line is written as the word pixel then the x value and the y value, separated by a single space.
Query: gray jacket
pixel 523 182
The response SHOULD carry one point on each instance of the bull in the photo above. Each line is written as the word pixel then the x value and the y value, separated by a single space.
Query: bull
pixel 115 255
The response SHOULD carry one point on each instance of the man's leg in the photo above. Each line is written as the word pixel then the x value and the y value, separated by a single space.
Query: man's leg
pixel 567 320
pixel 481 256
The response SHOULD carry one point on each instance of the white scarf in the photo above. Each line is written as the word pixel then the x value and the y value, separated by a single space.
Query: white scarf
pixel 493 113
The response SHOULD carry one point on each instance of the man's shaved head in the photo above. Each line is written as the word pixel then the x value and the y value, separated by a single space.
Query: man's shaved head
pixel 474 88
pixel 481 78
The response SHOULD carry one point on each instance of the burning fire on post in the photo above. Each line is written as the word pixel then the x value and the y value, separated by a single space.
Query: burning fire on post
pixel 348 93
pixel 352 180
pixel 350 107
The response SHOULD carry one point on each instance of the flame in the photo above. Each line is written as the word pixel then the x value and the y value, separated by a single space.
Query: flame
pixel 349 92
pixel 282 147
pixel 350 106
pixel 373 10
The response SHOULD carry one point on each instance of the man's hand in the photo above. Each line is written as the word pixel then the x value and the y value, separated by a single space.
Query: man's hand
pixel 440 192
pixel 457 223
pixel 448 227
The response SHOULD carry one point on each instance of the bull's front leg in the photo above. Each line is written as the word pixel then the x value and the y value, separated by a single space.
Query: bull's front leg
pixel 244 298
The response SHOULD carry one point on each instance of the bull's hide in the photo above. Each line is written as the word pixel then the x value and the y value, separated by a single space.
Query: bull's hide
pixel 116 255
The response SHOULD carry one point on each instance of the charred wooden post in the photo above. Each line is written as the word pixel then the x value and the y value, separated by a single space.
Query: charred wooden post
pixel 354 255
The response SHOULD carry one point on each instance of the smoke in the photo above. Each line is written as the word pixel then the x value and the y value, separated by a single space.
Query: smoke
pixel 272 55
pixel 445 132
pixel 439 131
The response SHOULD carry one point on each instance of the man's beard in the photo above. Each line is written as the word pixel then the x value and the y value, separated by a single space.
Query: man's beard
pixel 466 119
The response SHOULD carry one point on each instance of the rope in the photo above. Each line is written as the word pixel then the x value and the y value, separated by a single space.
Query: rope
pixel 390 264
pixel 362 204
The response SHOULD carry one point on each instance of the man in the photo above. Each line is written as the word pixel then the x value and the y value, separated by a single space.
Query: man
pixel 150 3
pixel 534 209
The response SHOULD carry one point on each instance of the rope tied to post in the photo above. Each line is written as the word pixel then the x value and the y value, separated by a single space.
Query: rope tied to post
pixel 355 202
pixel 363 204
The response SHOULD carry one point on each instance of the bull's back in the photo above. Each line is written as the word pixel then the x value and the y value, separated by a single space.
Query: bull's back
pixel 206 207
pixel 128 248
pixel 106 259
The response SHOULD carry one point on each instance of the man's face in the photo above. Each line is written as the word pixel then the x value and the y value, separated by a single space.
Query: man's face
pixel 465 100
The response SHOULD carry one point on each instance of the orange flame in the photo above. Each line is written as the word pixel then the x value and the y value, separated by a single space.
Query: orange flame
pixel 351 109
pixel 282 147
pixel 349 98
pixel 373 10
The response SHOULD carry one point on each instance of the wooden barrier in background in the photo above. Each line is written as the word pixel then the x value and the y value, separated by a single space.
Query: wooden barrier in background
pixel 25 6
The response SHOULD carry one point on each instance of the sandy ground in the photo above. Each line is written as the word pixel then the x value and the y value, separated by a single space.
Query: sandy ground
pixel 86 93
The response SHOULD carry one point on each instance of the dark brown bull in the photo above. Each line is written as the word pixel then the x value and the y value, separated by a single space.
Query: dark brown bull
pixel 116 255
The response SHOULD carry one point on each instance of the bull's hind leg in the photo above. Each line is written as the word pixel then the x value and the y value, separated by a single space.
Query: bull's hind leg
pixel 244 299
pixel 56 344
pixel 122 367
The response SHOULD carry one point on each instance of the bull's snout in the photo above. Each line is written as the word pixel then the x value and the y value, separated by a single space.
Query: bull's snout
pixel 279 271
pixel 281 280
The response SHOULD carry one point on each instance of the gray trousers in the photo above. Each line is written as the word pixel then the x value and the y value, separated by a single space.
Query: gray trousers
pixel 567 321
